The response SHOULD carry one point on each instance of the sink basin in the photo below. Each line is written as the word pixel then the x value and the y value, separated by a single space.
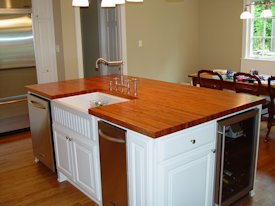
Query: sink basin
pixel 90 100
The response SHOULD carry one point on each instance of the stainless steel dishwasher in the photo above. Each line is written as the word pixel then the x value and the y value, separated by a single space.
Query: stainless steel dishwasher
pixel 112 144
pixel 40 123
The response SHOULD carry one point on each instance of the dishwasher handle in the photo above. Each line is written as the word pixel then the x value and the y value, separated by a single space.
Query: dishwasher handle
pixel 107 137
pixel 36 104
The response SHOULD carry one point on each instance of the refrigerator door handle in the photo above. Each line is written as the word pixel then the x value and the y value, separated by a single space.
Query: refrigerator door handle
pixel 107 137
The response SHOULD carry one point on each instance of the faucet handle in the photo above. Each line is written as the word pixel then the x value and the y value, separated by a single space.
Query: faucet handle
pixel 128 85
pixel 111 85
pixel 116 83
pixel 135 80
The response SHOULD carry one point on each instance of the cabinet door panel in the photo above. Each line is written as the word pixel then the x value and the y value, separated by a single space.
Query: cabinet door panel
pixel 63 153
pixel 44 41
pixel 188 180
pixel 85 167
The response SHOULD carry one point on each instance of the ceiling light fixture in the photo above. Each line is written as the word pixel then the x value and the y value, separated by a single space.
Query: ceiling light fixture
pixel 80 3
pixel 246 14
pixel 104 3
pixel 119 1
pixel 135 0
pixel 266 13
pixel 108 3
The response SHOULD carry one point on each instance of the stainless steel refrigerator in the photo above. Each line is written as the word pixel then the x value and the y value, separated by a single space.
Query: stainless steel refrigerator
pixel 17 63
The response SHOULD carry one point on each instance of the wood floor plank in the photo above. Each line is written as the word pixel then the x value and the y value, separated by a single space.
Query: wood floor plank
pixel 22 182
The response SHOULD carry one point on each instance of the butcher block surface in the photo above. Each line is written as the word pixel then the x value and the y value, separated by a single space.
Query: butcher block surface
pixel 160 108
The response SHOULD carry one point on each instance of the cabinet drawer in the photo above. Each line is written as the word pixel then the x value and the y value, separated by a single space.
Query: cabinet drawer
pixel 186 140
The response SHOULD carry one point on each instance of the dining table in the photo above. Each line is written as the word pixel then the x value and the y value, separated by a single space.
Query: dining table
pixel 228 82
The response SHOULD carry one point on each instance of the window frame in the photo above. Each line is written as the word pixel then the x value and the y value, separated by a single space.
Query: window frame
pixel 248 30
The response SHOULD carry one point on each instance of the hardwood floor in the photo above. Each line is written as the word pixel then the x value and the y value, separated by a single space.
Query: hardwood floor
pixel 22 182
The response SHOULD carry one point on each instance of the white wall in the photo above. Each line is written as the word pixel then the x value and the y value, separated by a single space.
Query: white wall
pixel 263 66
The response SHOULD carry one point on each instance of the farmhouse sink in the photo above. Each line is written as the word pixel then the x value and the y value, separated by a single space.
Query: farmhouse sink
pixel 90 100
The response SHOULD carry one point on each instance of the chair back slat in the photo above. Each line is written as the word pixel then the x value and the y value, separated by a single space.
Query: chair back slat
pixel 210 83
pixel 253 87
pixel 271 90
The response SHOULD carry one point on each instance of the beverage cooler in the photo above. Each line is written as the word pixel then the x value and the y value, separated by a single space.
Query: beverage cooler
pixel 236 157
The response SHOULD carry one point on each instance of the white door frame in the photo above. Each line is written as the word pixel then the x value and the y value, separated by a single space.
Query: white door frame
pixel 78 35
pixel 122 33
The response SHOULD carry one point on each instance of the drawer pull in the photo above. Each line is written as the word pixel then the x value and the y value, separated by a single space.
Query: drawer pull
pixel 213 150
pixel 67 137
pixel 193 141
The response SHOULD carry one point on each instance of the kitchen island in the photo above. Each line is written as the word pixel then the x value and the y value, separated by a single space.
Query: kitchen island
pixel 171 136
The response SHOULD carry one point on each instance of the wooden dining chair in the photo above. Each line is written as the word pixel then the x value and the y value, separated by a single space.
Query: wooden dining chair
pixel 250 84
pixel 270 120
pixel 216 83
pixel 247 83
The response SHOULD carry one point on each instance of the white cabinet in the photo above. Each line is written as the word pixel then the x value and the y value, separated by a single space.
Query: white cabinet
pixel 76 160
pixel 140 169
pixel 63 152
pixel 77 149
pixel 84 156
pixel 174 170
pixel 44 41
pixel 187 179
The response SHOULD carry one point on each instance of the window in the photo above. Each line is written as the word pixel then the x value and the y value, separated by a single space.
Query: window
pixel 262 34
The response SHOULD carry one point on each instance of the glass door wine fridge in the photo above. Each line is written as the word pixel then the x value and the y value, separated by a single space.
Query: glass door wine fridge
pixel 236 156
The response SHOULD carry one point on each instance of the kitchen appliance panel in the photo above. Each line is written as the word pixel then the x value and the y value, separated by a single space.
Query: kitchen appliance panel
pixel 39 111
pixel 16 41
pixel 236 157
pixel 113 165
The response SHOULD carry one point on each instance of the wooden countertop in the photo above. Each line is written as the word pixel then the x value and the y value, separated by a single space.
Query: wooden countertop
pixel 159 109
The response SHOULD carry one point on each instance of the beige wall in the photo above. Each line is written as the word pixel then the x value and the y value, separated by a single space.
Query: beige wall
pixel 179 37
pixel 69 39
pixel 169 31
pixel 220 39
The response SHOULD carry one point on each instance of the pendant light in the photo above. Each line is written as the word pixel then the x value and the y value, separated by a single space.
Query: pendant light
pixel 80 3
pixel 108 3
pixel 246 14
pixel 135 0
pixel 266 13
pixel 119 1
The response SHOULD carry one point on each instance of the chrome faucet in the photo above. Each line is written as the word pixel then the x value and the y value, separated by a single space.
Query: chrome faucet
pixel 120 64
pixel 108 63
pixel 111 63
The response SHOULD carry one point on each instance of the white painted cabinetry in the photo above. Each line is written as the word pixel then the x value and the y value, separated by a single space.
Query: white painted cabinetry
pixel 187 179
pixel 174 170
pixel 76 150
pixel 44 41
pixel 63 152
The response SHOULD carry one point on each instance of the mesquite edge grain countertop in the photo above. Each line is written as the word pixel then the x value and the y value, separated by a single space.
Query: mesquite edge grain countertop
pixel 159 109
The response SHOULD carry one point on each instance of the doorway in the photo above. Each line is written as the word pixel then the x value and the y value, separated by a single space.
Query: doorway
pixel 102 35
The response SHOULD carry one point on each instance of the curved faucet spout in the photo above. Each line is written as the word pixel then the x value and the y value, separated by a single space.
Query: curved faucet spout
pixel 108 63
